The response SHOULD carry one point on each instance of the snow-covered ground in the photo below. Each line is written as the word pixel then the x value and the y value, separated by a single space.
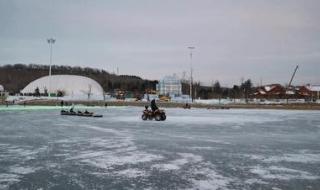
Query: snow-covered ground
pixel 251 101
pixel 176 100
pixel 192 149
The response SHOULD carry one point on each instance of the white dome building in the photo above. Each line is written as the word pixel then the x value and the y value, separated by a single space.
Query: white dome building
pixel 1 88
pixel 72 86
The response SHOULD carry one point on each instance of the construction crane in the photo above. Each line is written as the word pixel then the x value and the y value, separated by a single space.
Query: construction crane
pixel 289 85
pixel 294 73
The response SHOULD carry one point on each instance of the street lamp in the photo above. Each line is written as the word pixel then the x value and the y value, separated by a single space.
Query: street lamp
pixel 50 41
pixel 191 48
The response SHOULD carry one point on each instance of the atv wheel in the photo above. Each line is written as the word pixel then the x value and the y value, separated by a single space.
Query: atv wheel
pixel 163 117
pixel 158 117
pixel 144 117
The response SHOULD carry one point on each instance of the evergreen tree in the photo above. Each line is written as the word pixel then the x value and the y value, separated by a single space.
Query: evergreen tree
pixel 246 88
pixel 217 90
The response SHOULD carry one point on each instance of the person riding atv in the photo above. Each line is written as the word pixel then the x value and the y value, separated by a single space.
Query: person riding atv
pixel 153 105
pixel 154 113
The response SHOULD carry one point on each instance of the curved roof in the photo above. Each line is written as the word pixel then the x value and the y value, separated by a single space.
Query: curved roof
pixel 71 85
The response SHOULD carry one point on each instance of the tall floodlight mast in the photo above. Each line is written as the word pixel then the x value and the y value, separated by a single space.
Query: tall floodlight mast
pixel 191 48
pixel 50 41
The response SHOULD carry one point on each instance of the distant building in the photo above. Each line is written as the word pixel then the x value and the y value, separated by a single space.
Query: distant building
pixel 71 86
pixel 170 86
pixel 302 92
pixel 272 91
pixel 315 91
pixel 277 91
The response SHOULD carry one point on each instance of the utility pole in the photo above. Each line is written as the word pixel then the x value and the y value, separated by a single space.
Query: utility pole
pixel 50 41
pixel 191 48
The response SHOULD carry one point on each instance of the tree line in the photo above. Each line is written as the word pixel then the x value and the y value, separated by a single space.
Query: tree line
pixel 216 91
pixel 15 77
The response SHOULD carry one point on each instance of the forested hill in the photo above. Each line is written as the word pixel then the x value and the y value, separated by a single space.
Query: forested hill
pixel 15 77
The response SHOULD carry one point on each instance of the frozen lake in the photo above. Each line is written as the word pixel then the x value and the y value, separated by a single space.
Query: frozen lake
pixel 192 149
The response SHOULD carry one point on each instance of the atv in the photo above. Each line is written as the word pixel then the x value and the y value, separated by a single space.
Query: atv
pixel 158 115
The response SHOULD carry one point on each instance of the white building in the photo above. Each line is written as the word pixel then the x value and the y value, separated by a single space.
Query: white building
pixel 170 86
pixel 72 86
pixel 315 89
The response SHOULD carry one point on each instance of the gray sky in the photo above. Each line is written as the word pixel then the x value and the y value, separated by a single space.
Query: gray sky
pixel 233 39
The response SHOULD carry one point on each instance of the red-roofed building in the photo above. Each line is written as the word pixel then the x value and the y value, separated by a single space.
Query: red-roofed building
pixel 272 91
pixel 303 92
pixel 277 91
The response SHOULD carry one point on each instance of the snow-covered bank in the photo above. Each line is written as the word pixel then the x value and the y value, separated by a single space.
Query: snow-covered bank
pixel 252 101
pixel 198 103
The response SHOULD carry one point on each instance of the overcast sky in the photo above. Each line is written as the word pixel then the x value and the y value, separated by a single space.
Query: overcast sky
pixel 261 40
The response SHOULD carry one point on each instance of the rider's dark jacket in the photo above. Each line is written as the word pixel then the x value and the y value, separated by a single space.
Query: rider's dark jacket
pixel 153 105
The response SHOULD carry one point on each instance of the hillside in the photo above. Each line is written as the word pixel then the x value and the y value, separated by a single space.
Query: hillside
pixel 15 77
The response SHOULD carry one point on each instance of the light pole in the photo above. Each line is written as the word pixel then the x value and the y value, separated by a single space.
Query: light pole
pixel 191 48
pixel 50 41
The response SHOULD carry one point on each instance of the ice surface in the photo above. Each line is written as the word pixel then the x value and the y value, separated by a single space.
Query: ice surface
pixel 281 173
pixel 302 158
pixel 212 181
pixel 22 170
pixel 185 158
pixel 132 173
pixel 192 149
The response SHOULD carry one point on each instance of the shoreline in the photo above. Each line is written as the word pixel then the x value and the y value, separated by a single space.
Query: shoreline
pixel 304 106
